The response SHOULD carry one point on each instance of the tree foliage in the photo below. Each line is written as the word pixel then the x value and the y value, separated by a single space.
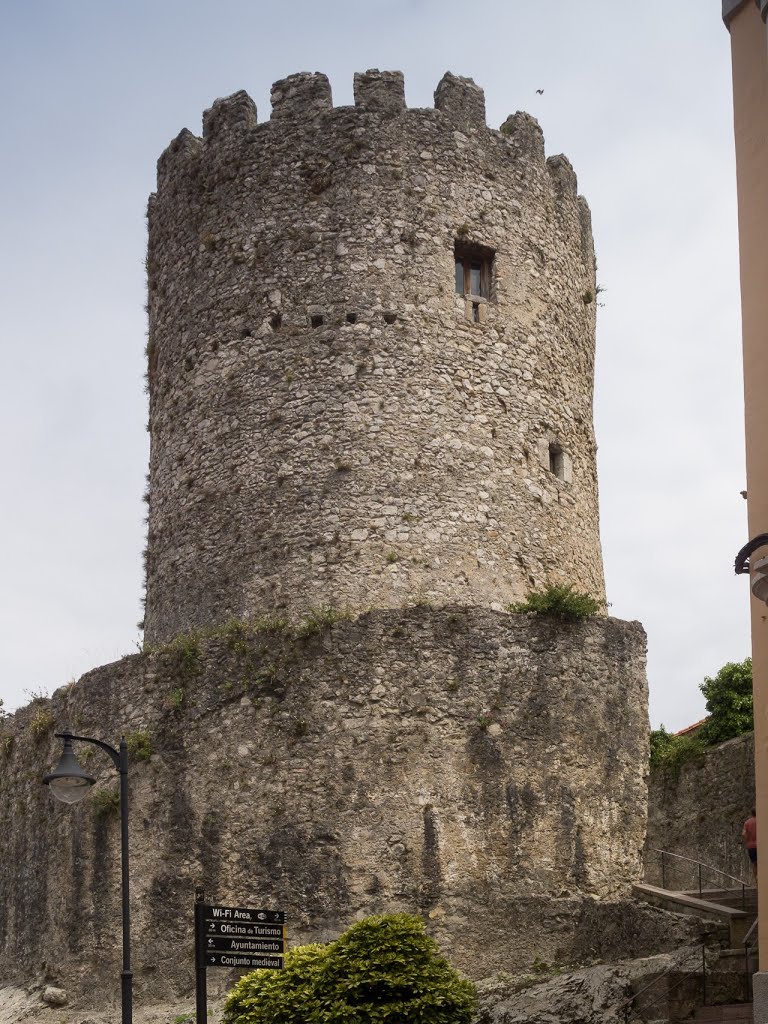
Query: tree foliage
pixel 383 970
pixel 729 706
pixel 729 702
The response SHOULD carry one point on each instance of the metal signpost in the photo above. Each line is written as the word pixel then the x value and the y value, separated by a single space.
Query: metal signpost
pixel 234 937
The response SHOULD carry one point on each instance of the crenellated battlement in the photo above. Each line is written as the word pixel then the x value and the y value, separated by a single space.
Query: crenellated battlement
pixel 461 101
pixel 232 114
pixel 304 95
pixel 185 150
pixel 300 99
pixel 380 91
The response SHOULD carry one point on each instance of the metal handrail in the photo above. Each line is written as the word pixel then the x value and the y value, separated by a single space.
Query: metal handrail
pixel 748 947
pixel 700 864
pixel 696 951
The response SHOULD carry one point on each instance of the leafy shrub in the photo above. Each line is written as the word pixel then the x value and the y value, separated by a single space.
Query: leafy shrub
pixel 41 723
pixel 318 619
pixel 185 653
pixel 139 745
pixel 270 624
pixel 105 802
pixel 237 634
pixel 670 752
pixel 383 970
pixel 174 700
pixel 293 995
pixel 661 743
pixel 729 702
pixel 561 601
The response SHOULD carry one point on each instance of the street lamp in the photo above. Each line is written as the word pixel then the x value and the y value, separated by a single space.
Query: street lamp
pixel 69 783
pixel 745 564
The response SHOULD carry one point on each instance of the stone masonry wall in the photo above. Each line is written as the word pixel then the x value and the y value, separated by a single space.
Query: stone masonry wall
pixel 328 423
pixel 485 770
pixel 699 813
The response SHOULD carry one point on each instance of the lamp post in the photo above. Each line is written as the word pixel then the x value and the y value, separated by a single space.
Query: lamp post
pixel 70 783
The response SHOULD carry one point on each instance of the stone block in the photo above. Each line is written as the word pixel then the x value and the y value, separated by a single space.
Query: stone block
pixel 303 95
pixel 380 91
pixel 461 100
pixel 563 175
pixel 525 133
pixel 232 114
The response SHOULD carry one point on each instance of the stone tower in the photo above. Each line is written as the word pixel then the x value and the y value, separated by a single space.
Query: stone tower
pixel 370 359
pixel 370 370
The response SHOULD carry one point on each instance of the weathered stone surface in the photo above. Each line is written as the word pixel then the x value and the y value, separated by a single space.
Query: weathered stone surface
pixel 593 996
pixel 331 424
pixel 461 100
pixel 380 90
pixel 658 988
pixel 236 113
pixel 699 812
pixel 484 769
pixel 328 423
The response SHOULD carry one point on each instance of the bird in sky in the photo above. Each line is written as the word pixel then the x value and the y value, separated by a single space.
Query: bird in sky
pixel 539 92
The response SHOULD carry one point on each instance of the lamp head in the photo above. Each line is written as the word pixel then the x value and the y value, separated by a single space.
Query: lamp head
pixel 68 782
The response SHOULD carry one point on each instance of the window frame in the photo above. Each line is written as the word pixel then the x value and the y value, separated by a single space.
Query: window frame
pixel 465 254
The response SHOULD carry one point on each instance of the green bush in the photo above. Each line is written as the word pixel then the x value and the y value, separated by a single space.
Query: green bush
pixel 729 702
pixel 41 723
pixel 670 752
pixel 661 743
pixel 105 802
pixel 139 745
pixel 383 970
pixel 185 653
pixel 318 619
pixel 561 601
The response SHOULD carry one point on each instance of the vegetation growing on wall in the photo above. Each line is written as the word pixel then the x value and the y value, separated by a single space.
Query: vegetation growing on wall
pixel 139 745
pixel 41 723
pixel 560 601
pixel 384 969
pixel 105 802
pixel 671 752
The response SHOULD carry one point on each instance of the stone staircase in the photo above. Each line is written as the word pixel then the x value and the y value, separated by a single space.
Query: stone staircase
pixel 733 907
pixel 733 897
pixel 721 1014
pixel 726 977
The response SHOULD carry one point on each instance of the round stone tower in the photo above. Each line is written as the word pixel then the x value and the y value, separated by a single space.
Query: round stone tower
pixel 370 359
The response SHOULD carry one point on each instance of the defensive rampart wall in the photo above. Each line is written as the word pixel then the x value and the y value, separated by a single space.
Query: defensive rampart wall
pixel 483 769
pixel 698 810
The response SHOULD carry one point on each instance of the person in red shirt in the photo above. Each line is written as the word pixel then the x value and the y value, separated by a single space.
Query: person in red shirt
pixel 749 835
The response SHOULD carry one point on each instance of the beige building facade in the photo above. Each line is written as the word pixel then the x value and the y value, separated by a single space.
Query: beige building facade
pixel 749 50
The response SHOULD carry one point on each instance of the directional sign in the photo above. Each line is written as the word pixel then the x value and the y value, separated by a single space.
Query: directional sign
pixel 241 914
pixel 243 960
pixel 234 937
pixel 245 931
pixel 244 945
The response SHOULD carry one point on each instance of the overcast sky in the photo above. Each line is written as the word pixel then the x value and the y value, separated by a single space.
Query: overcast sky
pixel 639 98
